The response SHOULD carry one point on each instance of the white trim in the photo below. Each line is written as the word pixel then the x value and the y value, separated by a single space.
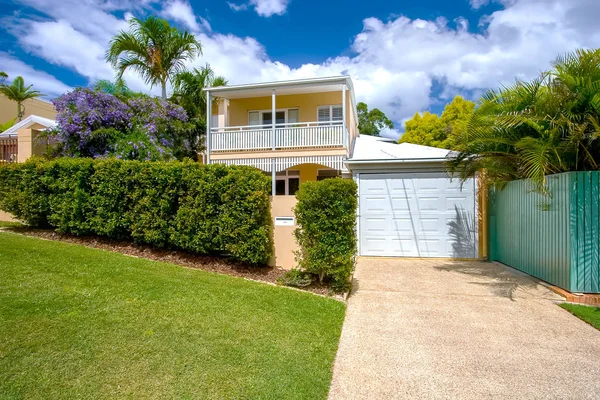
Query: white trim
pixel 208 125
pixel 278 84
pixel 27 122
pixel 331 120
pixel 283 163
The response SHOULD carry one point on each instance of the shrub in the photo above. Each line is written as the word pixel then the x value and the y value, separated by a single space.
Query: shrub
pixel 295 278
pixel 326 215
pixel 98 125
pixel 179 205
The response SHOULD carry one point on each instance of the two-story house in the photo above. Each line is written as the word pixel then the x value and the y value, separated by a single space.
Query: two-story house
pixel 295 131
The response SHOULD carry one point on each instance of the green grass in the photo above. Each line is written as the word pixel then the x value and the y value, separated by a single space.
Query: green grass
pixel 91 324
pixel 589 314
pixel 7 224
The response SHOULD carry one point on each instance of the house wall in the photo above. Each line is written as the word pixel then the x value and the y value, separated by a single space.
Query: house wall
pixel 283 236
pixel 237 112
pixel 8 109
pixel 30 144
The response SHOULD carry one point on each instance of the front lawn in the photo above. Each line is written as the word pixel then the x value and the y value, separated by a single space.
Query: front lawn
pixel 589 314
pixel 86 323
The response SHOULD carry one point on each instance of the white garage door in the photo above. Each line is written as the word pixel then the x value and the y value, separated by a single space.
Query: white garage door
pixel 417 215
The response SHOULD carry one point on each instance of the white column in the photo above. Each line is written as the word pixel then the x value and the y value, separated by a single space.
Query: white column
pixel 273 177
pixel 208 124
pixel 273 119
pixel 274 111
pixel 344 112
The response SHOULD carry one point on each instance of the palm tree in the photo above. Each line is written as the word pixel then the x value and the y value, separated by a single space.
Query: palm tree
pixel 117 88
pixel 3 76
pixel 188 89
pixel 531 129
pixel 154 49
pixel 188 92
pixel 18 92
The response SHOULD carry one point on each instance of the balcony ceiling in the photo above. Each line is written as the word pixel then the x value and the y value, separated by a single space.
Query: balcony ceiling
pixel 315 85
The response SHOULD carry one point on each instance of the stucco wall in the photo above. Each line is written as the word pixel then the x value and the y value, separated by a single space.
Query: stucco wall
pixel 306 103
pixel 283 236
pixel 8 109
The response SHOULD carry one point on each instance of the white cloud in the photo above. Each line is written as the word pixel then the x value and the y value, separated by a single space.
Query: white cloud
pixel 45 83
pixel 264 8
pixel 267 8
pixel 237 7
pixel 181 11
pixel 394 63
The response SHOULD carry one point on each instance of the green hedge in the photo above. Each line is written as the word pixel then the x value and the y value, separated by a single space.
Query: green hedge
pixel 180 205
pixel 326 215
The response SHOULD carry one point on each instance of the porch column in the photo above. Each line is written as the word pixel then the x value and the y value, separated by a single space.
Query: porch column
pixel 344 115
pixel 273 119
pixel 208 124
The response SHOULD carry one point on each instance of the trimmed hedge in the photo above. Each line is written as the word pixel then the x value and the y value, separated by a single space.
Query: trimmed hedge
pixel 204 209
pixel 326 215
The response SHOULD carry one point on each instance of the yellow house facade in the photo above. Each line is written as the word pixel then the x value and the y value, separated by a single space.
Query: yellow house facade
pixel 295 131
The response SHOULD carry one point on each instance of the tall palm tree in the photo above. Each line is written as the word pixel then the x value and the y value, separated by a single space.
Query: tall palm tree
pixel 3 76
pixel 188 89
pixel 18 92
pixel 153 49
pixel 188 92
pixel 531 129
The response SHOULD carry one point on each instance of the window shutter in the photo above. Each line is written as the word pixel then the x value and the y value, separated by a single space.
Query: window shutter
pixel 253 118
pixel 324 114
pixel 336 113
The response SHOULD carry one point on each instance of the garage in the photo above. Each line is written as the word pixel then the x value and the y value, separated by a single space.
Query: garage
pixel 409 206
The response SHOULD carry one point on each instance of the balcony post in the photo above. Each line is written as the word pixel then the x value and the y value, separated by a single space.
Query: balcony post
pixel 273 120
pixel 208 124
pixel 344 112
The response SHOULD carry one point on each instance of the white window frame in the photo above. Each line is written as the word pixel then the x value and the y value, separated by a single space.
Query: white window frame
pixel 261 112
pixel 286 178
pixel 331 120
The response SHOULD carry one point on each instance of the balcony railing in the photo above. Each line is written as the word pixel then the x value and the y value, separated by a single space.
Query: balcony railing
pixel 295 135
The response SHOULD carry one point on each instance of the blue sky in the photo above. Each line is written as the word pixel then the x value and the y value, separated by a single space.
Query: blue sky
pixel 404 56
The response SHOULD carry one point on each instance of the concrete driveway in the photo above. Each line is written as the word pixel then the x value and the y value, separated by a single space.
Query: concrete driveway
pixel 419 329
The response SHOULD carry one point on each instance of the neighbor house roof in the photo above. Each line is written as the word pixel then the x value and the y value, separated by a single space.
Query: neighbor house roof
pixel 28 123
pixel 372 149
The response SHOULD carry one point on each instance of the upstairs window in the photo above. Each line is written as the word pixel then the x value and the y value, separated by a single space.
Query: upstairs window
pixel 333 114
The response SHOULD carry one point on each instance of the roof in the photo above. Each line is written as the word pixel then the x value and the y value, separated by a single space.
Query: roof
pixel 29 122
pixel 372 149
pixel 293 86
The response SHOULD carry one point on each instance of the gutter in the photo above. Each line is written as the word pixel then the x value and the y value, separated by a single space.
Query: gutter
pixel 393 161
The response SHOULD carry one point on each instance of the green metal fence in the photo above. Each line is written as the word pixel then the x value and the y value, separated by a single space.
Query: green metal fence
pixel 556 238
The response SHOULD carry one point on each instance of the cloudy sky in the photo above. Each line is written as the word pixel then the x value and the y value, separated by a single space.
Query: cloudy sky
pixel 404 56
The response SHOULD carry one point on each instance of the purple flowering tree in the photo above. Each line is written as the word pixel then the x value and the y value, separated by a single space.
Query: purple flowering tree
pixel 95 124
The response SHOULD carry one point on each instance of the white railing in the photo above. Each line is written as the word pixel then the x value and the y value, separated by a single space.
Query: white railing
pixel 287 136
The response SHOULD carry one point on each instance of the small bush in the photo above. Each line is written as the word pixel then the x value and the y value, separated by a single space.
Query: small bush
pixel 295 278
pixel 326 215
pixel 180 205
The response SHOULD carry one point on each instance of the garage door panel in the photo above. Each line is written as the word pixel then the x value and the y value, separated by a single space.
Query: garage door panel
pixel 417 217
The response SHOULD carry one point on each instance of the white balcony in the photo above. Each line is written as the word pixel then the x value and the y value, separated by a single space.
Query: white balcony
pixel 296 135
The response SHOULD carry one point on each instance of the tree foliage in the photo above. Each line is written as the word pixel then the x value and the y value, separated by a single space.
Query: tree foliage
pixel 154 49
pixel 97 125
pixel 531 129
pixel 188 92
pixel 18 92
pixel 371 122
pixel 429 129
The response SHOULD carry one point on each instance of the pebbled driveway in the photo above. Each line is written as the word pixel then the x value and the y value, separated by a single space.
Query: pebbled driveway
pixel 422 329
